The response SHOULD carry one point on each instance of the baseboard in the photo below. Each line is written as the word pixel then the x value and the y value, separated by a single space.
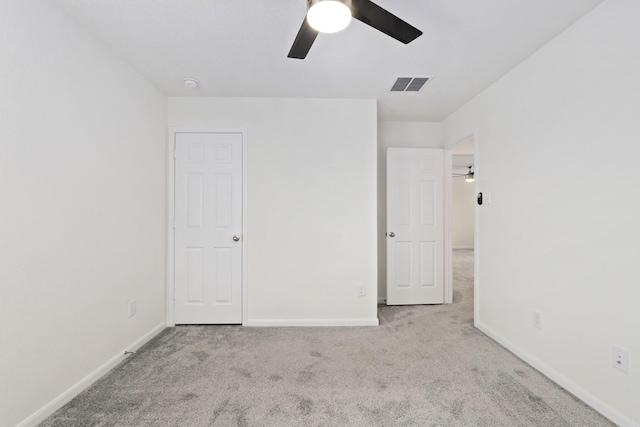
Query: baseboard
pixel 312 322
pixel 57 403
pixel 463 247
pixel 382 300
pixel 591 400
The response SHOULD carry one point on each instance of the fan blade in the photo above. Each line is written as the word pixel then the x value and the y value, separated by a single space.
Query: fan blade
pixel 382 20
pixel 305 38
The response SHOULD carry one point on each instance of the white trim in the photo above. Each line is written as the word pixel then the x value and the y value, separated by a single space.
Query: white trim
pixel 463 247
pixel 170 224
pixel 591 400
pixel 41 414
pixel 447 213
pixel 170 216
pixel 245 234
pixel 312 322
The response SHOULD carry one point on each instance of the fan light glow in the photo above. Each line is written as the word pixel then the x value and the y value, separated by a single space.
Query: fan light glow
pixel 329 16
pixel 469 176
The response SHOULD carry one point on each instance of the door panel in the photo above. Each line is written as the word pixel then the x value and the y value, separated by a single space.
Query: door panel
pixel 415 226
pixel 195 276
pixel 208 214
pixel 427 263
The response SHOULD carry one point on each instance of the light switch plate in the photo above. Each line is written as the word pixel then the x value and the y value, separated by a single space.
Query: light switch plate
pixel 132 308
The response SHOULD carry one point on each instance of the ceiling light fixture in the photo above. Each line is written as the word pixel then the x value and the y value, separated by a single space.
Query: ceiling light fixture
pixel 329 16
pixel 469 176
pixel 189 82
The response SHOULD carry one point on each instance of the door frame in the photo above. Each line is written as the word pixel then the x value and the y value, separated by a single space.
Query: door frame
pixel 170 253
pixel 448 229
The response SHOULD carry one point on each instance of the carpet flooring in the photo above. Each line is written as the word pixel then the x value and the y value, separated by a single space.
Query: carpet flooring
pixel 423 366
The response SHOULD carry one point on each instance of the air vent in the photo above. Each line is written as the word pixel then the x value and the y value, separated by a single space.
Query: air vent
pixel 401 84
pixel 409 84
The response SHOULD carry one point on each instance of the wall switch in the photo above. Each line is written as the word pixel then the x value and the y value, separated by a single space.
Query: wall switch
pixel 132 308
pixel 362 291
pixel 537 319
pixel 621 359
pixel 486 197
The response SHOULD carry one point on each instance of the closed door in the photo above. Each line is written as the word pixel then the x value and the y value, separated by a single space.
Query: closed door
pixel 415 226
pixel 208 226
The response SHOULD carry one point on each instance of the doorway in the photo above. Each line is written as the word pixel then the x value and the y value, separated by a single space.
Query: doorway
pixel 463 235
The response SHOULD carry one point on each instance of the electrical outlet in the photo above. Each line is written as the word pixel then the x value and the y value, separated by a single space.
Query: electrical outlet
pixel 132 308
pixel 621 359
pixel 537 319
pixel 362 291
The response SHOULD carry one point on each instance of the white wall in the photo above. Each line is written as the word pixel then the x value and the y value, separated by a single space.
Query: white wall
pixel 562 237
pixel 311 204
pixel 404 135
pixel 82 202
pixel 462 212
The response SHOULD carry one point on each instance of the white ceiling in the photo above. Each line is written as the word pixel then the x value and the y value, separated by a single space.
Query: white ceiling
pixel 238 48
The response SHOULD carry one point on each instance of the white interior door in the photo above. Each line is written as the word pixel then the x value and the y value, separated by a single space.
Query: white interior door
pixel 415 226
pixel 208 226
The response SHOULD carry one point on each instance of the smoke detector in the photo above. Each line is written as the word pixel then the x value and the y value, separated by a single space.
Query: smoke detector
pixel 189 82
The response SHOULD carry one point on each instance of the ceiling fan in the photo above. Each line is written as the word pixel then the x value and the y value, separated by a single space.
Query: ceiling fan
pixel 363 10
pixel 469 176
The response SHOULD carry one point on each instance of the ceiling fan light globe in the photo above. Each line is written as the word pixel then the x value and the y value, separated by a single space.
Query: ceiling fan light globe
pixel 469 175
pixel 328 16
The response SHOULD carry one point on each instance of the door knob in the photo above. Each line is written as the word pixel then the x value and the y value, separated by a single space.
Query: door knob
pixel 392 234
pixel 236 238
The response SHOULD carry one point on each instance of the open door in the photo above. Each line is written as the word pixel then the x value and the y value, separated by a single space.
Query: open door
pixel 415 226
